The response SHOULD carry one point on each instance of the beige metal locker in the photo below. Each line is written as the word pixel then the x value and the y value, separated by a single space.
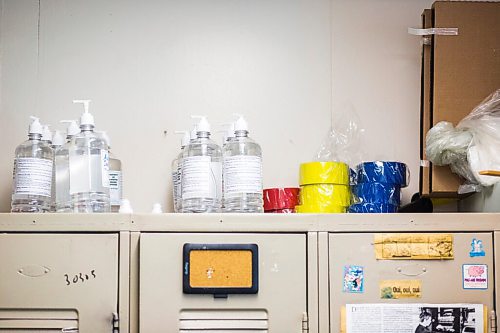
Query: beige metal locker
pixel 58 282
pixel 441 280
pixel 278 307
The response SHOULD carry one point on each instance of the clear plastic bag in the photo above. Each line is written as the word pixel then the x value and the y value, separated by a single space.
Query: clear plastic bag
pixel 344 140
pixel 472 146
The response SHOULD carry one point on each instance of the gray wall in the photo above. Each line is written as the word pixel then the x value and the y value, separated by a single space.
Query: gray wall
pixel 290 66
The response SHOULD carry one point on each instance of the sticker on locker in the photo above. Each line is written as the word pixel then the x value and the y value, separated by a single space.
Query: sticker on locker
pixel 475 276
pixel 353 279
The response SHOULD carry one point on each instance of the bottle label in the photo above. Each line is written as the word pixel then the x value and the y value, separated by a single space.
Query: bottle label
pixel 115 187
pixel 201 178
pixel 33 176
pixel 177 183
pixel 175 188
pixel 242 174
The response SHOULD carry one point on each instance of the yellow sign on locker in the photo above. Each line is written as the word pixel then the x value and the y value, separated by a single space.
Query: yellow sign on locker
pixel 394 289
pixel 413 246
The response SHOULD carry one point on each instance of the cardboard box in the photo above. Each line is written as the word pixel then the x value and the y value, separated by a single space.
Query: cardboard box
pixel 458 72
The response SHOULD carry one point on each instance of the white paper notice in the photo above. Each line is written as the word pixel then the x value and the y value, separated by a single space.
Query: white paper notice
pixel 414 318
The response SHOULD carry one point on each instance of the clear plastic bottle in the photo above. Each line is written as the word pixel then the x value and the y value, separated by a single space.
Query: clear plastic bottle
pixel 62 196
pixel 177 173
pixel 57 142
pixel 242 172
pixel 32 183
pixel 88 168
pixel 202 173
pixel 115 177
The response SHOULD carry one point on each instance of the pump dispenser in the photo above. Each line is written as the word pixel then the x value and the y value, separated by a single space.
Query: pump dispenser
pixel 47 135
pixel 32 181
pixel 201 182
pixel 57 140
pixel 177 172
pixel 242 170
pixel 72 130
pixel 61 166
pixel 115 176
pixel 88 167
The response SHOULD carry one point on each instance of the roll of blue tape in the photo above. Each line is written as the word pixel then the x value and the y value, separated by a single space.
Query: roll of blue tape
pixel 373 208
pixel 376 193
pixel 382 172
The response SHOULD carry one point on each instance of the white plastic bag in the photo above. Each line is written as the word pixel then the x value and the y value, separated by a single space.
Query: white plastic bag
pixel 473 146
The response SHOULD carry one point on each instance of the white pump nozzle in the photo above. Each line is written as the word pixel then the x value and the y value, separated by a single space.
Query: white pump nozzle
pixel 86 118
pixel 57 139
pixel 185 139
pixel 125 207
pixel 240 124
pixel 35 126
pixel 203 124
pixel 157 209
pixel 47 134
pixel 73 128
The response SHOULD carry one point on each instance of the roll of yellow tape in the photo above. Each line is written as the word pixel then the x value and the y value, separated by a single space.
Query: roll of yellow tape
pixel 304 209
pixel 325 195
pixel 324 173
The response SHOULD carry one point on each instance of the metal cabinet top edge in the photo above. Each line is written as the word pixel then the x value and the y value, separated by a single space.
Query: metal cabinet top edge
pixel 265 223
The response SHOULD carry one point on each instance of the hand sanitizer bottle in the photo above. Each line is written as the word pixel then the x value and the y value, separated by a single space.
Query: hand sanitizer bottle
pixel 202 172
pixel 242 172
pixel 32 183
pixel 88 168
pixel 177 172
pixel 62 196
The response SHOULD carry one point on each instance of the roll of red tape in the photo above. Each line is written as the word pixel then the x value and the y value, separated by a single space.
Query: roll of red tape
pixel 280 198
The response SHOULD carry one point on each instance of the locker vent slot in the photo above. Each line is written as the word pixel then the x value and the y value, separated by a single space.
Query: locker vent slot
pixel 35 321
pixel 223 321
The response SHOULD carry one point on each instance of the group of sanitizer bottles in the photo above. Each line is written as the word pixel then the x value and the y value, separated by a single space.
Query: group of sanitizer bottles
pixel 208 178
pixel 73 174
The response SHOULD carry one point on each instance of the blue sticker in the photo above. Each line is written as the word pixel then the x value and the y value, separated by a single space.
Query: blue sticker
pixel 477 248
pixel 354 279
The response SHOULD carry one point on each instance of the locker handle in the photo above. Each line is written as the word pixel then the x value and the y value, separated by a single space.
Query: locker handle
pixel 70 330
pixel 115 323
pixel 412 270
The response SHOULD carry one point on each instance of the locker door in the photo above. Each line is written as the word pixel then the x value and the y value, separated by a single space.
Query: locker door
pixel 441 280
pixel 51 282
pixel 278 306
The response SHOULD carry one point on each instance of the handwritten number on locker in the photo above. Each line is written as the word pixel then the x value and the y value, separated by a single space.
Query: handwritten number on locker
pixel 79 277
